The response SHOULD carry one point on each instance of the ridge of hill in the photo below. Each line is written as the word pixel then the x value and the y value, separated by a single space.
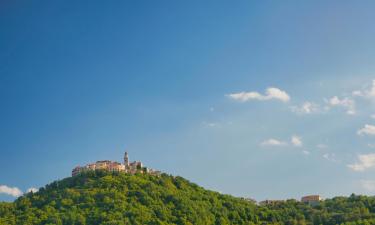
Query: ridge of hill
pixel 110 198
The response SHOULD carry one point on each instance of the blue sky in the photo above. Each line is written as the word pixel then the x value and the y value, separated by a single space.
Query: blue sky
pixel 261 99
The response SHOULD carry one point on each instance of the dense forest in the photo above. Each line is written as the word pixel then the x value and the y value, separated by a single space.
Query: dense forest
pixel 100 197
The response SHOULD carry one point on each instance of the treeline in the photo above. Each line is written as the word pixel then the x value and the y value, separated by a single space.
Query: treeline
pixel 100 197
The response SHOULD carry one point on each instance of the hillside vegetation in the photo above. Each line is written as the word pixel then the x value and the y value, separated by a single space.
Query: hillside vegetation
pixel 116 198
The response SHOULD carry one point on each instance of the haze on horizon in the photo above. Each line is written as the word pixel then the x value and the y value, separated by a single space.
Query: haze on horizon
pixel 261 99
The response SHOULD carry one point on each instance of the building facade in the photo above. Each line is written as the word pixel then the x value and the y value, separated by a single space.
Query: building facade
pixel 126 167
pixel 311 199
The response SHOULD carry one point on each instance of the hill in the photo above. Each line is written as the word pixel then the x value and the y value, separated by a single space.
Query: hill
pixel 100 197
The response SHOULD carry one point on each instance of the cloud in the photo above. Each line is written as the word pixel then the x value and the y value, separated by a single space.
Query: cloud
pixel 367 129
pixel 373 116
pixel 306 152
pixel 365 162
pixel 306 108
pixel 330 157
pixel 371 92
pixel 357 93
pixel 369 185
pixel 273 142
pixel 210 124
pixel 296 141
pixel 13 191
pixel 367 93
pixel 347 103
pixel 271 93
pixel 32 189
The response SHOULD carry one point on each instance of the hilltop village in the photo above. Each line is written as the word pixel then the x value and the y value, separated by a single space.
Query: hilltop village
pixel 137 167
pixel 126 167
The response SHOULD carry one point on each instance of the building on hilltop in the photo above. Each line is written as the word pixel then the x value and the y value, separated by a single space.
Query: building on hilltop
pixel 271 202
pixel 126 167
pixel 311 199
pixel 249 200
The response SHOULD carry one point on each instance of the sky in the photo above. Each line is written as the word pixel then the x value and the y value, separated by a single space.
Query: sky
pixel 260 99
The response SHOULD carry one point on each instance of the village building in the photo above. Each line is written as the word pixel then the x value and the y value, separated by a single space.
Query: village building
pixel 311 199
pixel 249 200
pixel 270 202
pixel 126 167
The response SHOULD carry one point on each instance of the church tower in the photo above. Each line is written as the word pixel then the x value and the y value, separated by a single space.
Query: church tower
pixel 126 160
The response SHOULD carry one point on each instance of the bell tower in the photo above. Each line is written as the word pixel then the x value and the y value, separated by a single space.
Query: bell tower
pixel 126 160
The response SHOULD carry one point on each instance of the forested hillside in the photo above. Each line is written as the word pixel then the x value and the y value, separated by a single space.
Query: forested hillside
pixel 117 198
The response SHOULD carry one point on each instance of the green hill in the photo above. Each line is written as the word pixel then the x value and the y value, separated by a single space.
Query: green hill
pixel 117 198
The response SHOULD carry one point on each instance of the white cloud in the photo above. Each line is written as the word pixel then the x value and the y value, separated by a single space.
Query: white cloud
pixel 365 161
pixel 32 189
pixel 330 157
pixel 373 116
pixel 367 93
pixel 306 108
pixel 371 92
pixel 306 152
pixel 296 141
pixel 347 103
pixel 13 191
pixel 271 93
pixel 369 185
pixel 273 142
pixel 367 129
pixel 210 124
pixel 357 93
